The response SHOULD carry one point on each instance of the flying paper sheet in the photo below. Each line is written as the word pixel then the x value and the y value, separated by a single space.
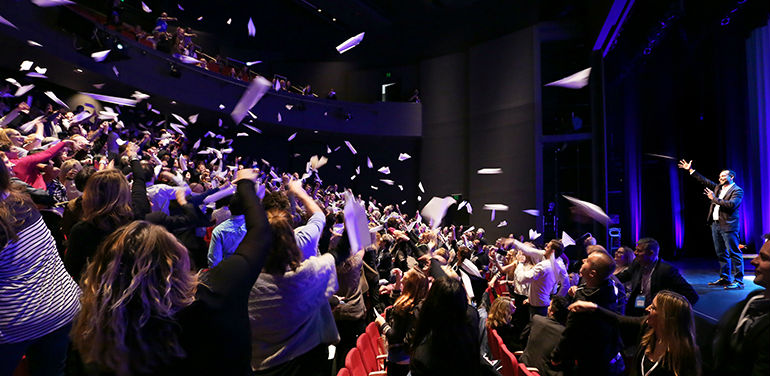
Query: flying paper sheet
pixel 384 170
pixel 578 80
pixel 369 163
pixel 435 210
pixel 251 28
pixel 589 209
pixel 316 163
pixel 350 43
pixel 41 70
pixel 566 240
pixel 117 74
pixel 400 187
pixel 533 234
pixel 13 81
pixel 197 144
pixel 229 21
pixel 499 207
pixel 419 185
pixel 139 96
pixel 23 90
pixel 533 212
pixel 255 129
pixel 146 8
pixel 373 187
pixel 51 3
pixel 502 224
pixel 358 170
pixel 80 117
pixel 292 136
pixel 29 126
pixel 8 23
pixel 492 218
pixel 490 171
pixel 26 65
pixel 241 134
pixel 387 181
pixel 403 156
pixel 186 59
pixel 352 149
pixel 99 56
pixel 257 88
pixel 111 99
pixel 36 75
pixel 98 86
pixel 181 119
pixel 356 224
pixel 469 208
pixel 54 98
pixel 34 44
pixel 250 63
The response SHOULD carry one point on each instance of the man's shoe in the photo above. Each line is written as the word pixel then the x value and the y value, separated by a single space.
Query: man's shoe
pixel 720 282
pixel 734 286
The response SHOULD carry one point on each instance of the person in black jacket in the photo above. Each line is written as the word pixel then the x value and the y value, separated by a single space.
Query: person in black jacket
pixel 649 275
pixel 724 218
pixel 742 337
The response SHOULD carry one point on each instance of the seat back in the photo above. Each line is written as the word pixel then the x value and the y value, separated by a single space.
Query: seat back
pixel 510 364
pixel 364 345
pixel 354 364
pixel 493 339
pixel 343 372
pixel 373 330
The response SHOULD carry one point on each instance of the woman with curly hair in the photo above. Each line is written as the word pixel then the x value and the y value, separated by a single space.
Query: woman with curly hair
pixel 666 336
pixel 402 318
pixel 499 319
pixel 38 300
pixel 145 312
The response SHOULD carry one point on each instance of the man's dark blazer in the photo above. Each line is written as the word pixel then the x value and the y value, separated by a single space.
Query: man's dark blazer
pixel 664 277
pixel 729 219
pixel 543 338
pixel 751 357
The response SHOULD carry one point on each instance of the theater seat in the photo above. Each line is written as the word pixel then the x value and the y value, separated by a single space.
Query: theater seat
pixel 343 372
pixel 510 364
pixel 494 340
pixel 364 345
pixel 355 364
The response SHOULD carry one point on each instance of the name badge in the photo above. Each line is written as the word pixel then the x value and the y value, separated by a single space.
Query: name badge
pixel 639 302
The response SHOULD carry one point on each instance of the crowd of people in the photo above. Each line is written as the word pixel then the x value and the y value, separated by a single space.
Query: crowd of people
pixel 127 252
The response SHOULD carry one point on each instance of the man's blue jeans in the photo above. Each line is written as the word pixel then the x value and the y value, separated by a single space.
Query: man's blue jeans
pixel 728 253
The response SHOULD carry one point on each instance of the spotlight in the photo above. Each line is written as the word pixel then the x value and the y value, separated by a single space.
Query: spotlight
pixel 119 46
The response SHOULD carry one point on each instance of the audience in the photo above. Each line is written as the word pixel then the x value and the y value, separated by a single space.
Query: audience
pixel 545 333
pixel 649 275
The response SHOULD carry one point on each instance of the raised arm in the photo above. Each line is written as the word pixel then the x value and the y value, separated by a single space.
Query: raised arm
pixel 237 273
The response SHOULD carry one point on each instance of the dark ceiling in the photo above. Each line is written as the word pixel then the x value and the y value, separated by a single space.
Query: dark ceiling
pixel 397 31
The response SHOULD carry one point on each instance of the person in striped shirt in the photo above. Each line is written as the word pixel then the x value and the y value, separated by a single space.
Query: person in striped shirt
pixel 38 299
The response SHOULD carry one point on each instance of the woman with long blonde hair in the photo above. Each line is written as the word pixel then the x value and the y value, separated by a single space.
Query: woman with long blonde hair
pixel 145 312
pixel 402 319
pixel 666 336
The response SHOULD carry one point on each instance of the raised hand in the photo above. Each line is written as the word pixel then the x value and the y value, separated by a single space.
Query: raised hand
pixel 685 165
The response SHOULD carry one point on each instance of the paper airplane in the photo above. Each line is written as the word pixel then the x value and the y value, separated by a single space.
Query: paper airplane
pixel 566 240
pixel 533 234
pixel 435 210
pixel 499 207
pixel 257 88
pixel 34 44
pixel 384 170
pixel 356 224
pixel 387 181
pixel 36 75
pixel 352 149
pixel 350 43
pixel 56 99
pixel 99 56
pixel 194 118
pixel 490 171
pixel 26 65
pixel 251 28
pixel 578 80
pixel 23 90
pixel 51 3
pixel 532 212
pixel 7 23
pixel 419 185
pixel 403 156
pixel 111 99
pixel 145 8
pixel 502 224
pixel 292 136
pixel 589 209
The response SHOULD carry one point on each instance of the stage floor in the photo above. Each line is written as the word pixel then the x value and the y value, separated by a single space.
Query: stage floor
pixel 713 301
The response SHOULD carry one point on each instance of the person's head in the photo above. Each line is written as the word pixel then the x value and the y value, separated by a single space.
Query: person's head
pixel 284 252
pixel 595 248
pixel 726 177
pixel 624 256
pixel 444 318
pixel 107 200
pixel 554 247
pixel 501 312
pixel 646 252
pixel 138 280
pixel 590 240
pixel 597 267
pixel 276 200
pixel 236 206
pixel 69 169
pixel 414 290
pixel 671 320
pixel 463 253
pixel 13 208
pixel 81 178
pixel 557 310
pixel 762 266
pixel 11 137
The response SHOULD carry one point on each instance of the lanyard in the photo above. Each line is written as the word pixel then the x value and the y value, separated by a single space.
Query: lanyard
pixel 651 368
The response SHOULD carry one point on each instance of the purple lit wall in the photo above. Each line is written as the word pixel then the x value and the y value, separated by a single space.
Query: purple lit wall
pixel 676 205
pixel 757 214
pixel 633 179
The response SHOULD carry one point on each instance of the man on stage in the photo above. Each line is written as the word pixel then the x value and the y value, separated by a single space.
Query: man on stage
pixel 725 222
